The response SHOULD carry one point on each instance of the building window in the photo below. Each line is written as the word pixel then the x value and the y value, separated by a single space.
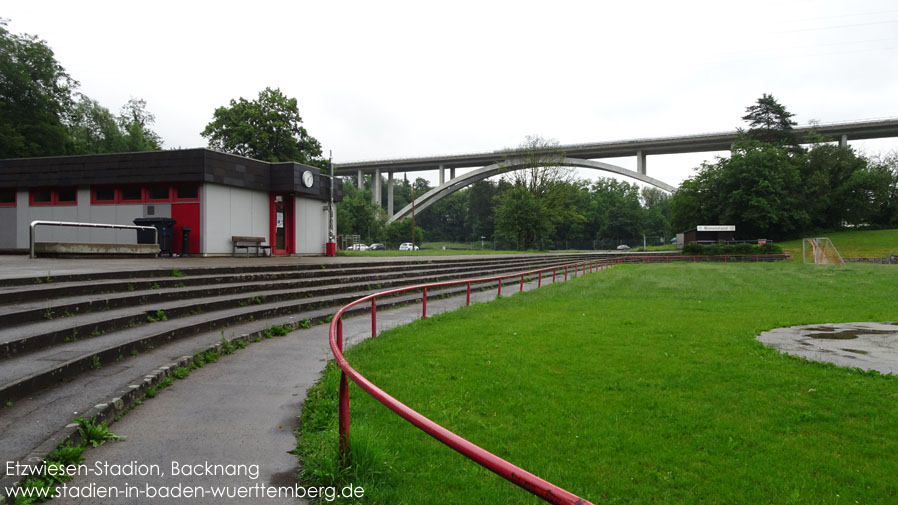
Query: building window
pixel 103 195
pixel 159 193
pixel 7 198
pixel 67 196
pixel 41 197
pixel 187 192
pixel 53 196
pixel 131 194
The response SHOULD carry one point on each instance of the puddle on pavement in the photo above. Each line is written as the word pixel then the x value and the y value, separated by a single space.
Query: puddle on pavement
pixel 856 351
pixel 833 334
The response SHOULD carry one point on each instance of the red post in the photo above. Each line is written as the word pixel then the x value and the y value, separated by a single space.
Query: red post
pixel 520 289
pixel 565 273
pixel 667 259
pixel 468 297
pixel 724 258
pixel 373 318
pixel 424 305
pixel 500 289
pixel 553 276
pixel 344 400
pixel 539 281
pixel 756 258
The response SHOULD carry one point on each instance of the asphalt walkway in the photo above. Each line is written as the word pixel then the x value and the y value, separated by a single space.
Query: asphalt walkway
pixel 232 422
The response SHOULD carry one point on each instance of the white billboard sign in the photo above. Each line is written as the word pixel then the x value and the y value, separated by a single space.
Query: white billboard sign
pixel 716 227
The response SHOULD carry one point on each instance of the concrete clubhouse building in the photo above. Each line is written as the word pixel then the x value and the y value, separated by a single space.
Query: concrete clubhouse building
pixel 218 196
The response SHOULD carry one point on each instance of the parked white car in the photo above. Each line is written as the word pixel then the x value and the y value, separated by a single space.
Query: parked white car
pixel 407 246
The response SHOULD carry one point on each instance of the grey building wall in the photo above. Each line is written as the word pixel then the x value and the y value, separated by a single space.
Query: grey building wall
pixel 228 211
pixel 311 226
pixel 83 212
pixel 8 228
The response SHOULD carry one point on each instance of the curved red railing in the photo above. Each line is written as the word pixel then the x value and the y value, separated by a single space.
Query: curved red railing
pixel 524 479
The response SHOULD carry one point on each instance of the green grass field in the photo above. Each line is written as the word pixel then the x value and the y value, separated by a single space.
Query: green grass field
pixel 641 385
pixel 854 244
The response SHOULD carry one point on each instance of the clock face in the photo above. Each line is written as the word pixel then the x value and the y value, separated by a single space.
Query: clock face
pixel 308 178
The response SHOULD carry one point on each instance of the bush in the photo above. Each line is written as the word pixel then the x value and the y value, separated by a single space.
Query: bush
pixel 696 249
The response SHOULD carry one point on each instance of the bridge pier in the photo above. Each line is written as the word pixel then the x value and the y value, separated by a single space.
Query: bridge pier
pixel 361 181
pixel 389 194
pixel 442 175
pixel 640 162
pixel 375 188
pixel 451 174
pixel 843 142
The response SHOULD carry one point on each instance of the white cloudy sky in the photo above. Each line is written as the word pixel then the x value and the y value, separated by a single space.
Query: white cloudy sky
pixel 384 79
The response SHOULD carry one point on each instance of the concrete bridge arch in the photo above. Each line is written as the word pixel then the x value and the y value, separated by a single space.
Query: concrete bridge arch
pixel 442 191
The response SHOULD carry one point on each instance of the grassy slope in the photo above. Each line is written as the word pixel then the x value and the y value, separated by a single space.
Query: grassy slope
pixel 855 244
pixel 643 384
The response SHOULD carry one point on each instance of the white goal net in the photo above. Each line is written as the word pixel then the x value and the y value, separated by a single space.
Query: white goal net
pixel 820 251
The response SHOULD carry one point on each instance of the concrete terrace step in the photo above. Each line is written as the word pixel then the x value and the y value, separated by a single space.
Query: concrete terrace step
pixel 67 286
pixel 47 332
pixel 25 374
pixel 34 418
pixel 72 301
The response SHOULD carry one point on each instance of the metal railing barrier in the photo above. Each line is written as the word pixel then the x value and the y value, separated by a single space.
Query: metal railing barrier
pixel 514 474
pixel 35 224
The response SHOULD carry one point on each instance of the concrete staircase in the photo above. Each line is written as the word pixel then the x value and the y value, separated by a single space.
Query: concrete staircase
pixel 87 344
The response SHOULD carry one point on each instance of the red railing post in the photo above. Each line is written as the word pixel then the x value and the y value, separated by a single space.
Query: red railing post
pixel 565 273
pixel 468 297
pixel 553 276
pixel 499 293
pixel 521 289
pixel 424 305
pixel 724 258
pixel 539 281
pixel 344 400
pixel 373 318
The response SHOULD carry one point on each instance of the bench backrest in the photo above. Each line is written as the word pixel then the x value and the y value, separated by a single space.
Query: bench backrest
pixel 257 240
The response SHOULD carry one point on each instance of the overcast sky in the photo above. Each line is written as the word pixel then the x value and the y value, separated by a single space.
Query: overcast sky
pixel 382 79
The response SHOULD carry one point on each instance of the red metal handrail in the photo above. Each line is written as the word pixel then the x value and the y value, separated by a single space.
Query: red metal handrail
pixel 526 480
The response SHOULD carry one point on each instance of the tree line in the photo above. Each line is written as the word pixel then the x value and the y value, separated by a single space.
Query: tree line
pixel 42 113
pixel 772 187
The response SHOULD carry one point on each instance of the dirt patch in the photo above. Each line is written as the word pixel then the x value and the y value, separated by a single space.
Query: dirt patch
pixel 874 346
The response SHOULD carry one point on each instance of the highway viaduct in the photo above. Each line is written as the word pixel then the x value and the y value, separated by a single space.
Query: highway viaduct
pixel 583 155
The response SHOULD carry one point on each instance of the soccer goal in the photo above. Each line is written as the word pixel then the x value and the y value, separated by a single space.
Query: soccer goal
pixel 820 251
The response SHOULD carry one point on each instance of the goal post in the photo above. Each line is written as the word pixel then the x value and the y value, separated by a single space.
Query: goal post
pixel 820 251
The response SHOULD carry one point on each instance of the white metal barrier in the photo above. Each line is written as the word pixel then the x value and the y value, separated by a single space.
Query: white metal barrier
pixel 35 224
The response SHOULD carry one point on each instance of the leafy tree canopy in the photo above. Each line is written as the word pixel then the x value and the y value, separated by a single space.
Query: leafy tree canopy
pixel 268 128
pixel 35 95
pixel 43 114
pixel 769 121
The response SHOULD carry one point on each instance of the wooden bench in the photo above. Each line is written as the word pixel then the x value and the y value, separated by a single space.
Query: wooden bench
pixel 246 243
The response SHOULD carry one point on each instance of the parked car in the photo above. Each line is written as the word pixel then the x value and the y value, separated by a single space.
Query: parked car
pixel 358 247
pixel 407 246
pixel 623 247
pixel 377 247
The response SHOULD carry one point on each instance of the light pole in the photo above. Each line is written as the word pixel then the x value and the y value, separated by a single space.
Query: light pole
pixel 481 242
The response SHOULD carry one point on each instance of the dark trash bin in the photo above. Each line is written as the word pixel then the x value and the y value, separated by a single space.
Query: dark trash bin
pixel 185 240
pixel 165 226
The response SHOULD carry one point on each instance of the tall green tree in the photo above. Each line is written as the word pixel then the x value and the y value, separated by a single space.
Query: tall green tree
pixel 136 121
pixel 769 121
pixel 268 128
pixel 522 219
pixel 93 129
pixel 35 97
